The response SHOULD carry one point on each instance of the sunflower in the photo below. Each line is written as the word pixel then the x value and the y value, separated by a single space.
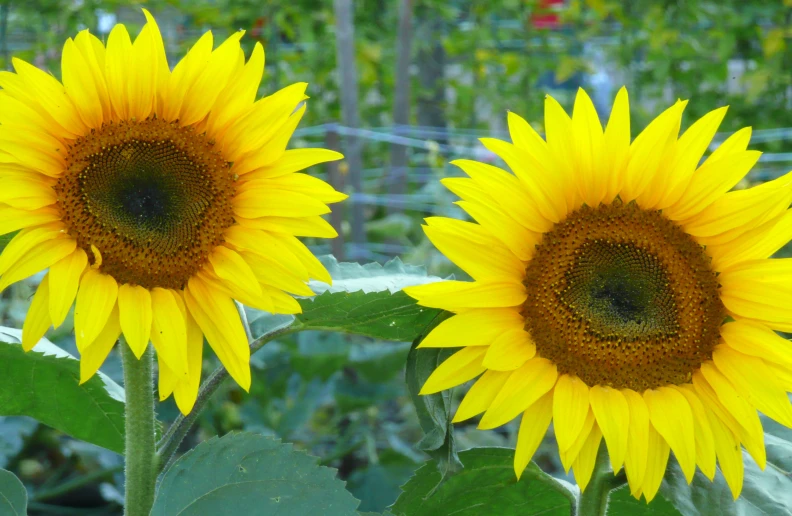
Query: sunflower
pixel 156 198
pixel 620 290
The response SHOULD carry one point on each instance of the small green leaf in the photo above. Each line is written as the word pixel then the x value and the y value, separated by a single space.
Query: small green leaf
pixel 434 410
pixel 487 485
pixel 363 299
pixel 13 496
pixel 45 385
pixel 249 474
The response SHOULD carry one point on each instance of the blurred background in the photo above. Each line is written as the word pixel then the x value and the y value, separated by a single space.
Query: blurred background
pixel 402 87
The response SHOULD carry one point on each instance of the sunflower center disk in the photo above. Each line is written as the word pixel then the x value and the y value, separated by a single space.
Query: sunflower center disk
pixel 153 197
pixel 622 297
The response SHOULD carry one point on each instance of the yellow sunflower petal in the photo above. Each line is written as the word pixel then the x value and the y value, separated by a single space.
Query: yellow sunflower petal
pixel 689 150
pixel 510 351
pixel 119 54
pixel 300 183
pixel 135 315
pixel 219 320
pixel 533 428
pixel 37 320
pixel 672 417
pixel 460 367
pixel 65 277
pixel 613 418
pixel 186 391
pixel 456 295
pixel 37 259
pixel 26 194
pixel 506 190
pixel 169 330
pixel 569 456
pixel 239 93
pixel 13 219
pixel 635 459
pixel 266 202
pixel 730 459
pixel 589 139
pixel 92 357
pixel 738 408
pixel 617 141
pixel 96 299
pixel 51 94
pixel 481 394
pixel 755 382
pixel 647 150
pixel 80 89
pixel 473 249
pixel 476 327
pixel 526 385
pixel 756 339
pixel 570 409
pixel 584 463
pixel 705 447
pixel 232 268
pixel 519 240
pixel 292 160
pixel 313 226
pixel 656 462
pixel 166 380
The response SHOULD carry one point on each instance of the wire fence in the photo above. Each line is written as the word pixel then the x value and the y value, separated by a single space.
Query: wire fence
pixel 430 149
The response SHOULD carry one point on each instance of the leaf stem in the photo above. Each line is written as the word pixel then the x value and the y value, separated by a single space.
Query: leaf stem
pixel 594 500
pixel 76 483
pixel 172 438
pixel 139 451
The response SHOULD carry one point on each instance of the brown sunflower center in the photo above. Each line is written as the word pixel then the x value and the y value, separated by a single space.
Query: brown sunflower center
pixel 623 297
pixel 153 197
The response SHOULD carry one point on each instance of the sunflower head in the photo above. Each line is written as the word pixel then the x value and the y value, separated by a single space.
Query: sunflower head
pixel 156 198
pixel 620 290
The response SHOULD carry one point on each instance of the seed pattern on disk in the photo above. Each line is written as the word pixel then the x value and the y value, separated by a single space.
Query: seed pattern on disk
pixel 621 296
pixel 154 198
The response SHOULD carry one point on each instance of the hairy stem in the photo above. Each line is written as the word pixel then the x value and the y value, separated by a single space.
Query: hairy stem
pixel 139 451
pixel 167 446
pixel 594 500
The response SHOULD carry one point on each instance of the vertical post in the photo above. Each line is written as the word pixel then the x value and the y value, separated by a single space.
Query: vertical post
pixel 401 101
pixel 431 69
pixel 345 62
pixel 4 8
pixel 337 181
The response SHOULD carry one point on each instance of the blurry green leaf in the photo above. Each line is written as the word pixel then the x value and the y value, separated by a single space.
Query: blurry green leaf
pixel 244 473
pixel 622 503
pixel 434 410
pixel 354 395
pixel 45 385
pixel 378 363
pixel 13 496
pixel 487 485
pixel 320 354
pixel 13 431
pixel 4 239
pixel 377 486
pixel 395 225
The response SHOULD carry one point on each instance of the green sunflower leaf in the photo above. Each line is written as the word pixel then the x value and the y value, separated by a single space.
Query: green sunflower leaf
pixel 487 485
pixel 622 503
pixel 13 496
pixel 434 410
pixel 245 473
pixel 45 385
pixel 363 300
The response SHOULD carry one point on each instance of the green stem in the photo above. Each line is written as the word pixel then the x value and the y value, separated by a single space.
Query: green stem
pixel 594 500
pixel 141 460
pixel 167 446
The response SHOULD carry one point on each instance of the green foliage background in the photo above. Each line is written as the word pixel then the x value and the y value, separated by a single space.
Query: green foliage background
pixel 344 398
